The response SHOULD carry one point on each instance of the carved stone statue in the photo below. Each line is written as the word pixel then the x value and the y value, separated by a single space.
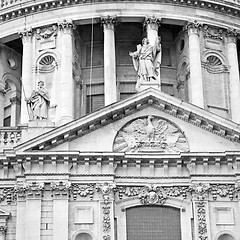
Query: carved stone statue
pixel 39 102
pixel 147 60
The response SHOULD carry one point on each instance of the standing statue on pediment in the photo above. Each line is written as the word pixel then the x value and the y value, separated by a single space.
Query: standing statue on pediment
pixel 147 60
pixel 39 102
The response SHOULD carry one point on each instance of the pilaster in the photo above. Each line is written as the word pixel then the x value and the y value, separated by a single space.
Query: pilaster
pixel 231 36
pixel 110 82
pixel 27 76
pixel 196 81
pixel 107 215
pixel 67 82
pixel 60 194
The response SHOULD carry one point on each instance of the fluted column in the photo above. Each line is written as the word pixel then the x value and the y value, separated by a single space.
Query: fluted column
pixel 2 93
pixel 67 83
pixel 196 82
pixel 152 24
pixel 110 83
pixel 27 76
pixel 233 75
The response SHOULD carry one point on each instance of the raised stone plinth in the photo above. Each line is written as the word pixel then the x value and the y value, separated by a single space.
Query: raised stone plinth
pixel 144 85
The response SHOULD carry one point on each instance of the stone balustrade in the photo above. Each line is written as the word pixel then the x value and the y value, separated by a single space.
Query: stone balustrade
pixel 9 137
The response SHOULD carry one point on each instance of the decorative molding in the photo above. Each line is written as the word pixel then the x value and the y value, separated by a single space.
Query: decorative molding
pixel 46 32
pixel 212 33
pixel 60 189
pixel 150 134
pixel 82 190
pixel 109 22
pixel 201 220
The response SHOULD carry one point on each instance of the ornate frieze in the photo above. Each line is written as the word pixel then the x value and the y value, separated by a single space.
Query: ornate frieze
pixel 150 134
pixel 47 32
pixel 109 22
pixel 82 190
pixel 60 189
pixel 212 33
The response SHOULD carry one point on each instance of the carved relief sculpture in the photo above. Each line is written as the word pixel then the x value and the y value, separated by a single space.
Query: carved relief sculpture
pixel 151 134
pixel 147 60
pixel 39 102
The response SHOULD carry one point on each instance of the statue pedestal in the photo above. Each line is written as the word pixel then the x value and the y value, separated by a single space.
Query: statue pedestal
pixel 145 85
pixel 36 128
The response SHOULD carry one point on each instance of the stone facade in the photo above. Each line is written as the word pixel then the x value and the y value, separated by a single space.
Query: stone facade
pixel 119 120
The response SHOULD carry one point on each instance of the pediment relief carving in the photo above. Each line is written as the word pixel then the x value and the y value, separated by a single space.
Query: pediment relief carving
pixel 150 134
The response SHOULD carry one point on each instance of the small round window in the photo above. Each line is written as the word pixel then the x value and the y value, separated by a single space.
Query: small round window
pixel 12 63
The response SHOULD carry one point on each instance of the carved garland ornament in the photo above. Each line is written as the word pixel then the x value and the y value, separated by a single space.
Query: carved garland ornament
pixel 150 134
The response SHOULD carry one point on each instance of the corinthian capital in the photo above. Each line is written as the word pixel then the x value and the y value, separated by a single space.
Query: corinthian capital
pixel 26 34
pixel 66 26
pixel 109 22
pixel 232 35
pixel 193 27
pixel 152 22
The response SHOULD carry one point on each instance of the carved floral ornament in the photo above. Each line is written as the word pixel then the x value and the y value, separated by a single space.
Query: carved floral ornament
pixel 150 134
pixel 147 194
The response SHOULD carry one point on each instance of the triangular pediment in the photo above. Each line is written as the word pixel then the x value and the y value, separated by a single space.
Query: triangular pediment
pixel 149 102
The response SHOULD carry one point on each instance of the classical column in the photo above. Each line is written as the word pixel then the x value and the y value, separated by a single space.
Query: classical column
pixel 2 93
pixel 233 75
pixel 67 82
pixel 15 110
pixel 110 83
pixel 152 24
pixel 196 96
pixel 60 193
pixel 27 76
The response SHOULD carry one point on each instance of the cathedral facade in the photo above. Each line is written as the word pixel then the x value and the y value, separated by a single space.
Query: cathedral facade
pixel 119 120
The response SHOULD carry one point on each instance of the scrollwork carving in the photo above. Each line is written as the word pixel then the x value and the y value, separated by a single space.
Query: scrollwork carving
pixel 82 190
pixel 45 33
pixel 60 189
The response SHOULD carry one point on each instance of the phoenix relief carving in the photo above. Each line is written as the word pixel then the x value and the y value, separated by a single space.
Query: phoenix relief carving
pixel 150 134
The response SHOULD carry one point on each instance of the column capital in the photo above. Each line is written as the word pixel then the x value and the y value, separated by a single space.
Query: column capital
pixel 109 22
pixel 193 27
pixel 60 189
pixel 152 22
pixel 15 100
pixel 232 35
pixel 66 26
pixel 26 34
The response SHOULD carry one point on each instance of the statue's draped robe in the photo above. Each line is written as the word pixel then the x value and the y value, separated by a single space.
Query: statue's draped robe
pixel 146 61
pixel 39 104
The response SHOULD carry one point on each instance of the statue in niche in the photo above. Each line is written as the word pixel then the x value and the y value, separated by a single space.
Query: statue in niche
pixel 147 60
pixel 39 102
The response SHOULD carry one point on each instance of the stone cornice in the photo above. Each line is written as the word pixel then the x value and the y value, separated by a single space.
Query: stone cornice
pixel 150 97
pixel 24 8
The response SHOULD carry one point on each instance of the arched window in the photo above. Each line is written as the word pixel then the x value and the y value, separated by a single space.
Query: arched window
pixel 225 236
pixel 83 236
